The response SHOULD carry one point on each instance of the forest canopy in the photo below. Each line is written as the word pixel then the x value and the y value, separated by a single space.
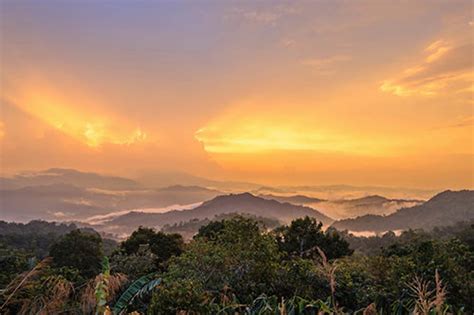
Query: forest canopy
pixel 237 266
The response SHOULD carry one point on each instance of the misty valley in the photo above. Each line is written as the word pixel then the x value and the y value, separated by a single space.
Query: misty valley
pixel 91 242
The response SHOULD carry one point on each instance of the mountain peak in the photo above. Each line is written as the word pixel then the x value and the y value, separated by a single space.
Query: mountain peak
pixel 245 195
pixel 243 203
pixel 374 197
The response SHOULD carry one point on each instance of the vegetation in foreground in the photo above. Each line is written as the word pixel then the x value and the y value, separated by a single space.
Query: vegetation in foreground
pixel 235 266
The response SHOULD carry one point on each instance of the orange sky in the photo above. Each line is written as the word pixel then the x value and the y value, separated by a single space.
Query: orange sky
pixel 361 92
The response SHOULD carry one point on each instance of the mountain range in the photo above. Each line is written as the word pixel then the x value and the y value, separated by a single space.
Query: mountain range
pixel 294 199
pixel 373 204
pixel 54 176
pixel 446 208
pixel 63 201
pixel 121 204
pixel 245 203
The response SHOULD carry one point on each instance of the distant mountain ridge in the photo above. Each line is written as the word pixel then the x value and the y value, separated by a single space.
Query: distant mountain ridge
pixel 172 178
pixel 74 177
pixel 69 202
pixel 445 208
pixel 347 208
pixel 233 203
pixel 368 205
pixel 295 199
pixel 73 195
pixel 186 189
pixel 374 199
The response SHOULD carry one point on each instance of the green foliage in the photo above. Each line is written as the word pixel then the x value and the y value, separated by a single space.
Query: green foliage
pixel 302 236
pixel 139 288
pixel 134 265
pixel 34 237
pixel 80 250
pixel 373 245
pixel 101 288
pixel 240 257
pixel 162 245
pixel 221 250
pixel 12 262
pixel 300 277
pixel 234 266
pixel 142 236
pixel 22 245
pixel 180 295
pixel 211 230
pixel 37 227
pixel 199 228
pixel 356 285
pixel 272 305
pixel 452 258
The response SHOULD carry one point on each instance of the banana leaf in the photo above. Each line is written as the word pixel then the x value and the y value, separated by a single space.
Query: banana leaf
pixel 138 288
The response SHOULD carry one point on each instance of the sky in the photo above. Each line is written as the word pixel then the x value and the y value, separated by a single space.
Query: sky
pixel 278 93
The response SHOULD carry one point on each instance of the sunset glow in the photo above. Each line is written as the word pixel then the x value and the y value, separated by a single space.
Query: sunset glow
pixel 236 157
pixel 78 118
pixel 309 92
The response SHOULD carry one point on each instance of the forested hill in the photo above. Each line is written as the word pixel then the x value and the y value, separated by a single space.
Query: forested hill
pixel 233 203
pixel 446 208
pixel 190 228
pixel 35 227
pixel 37 236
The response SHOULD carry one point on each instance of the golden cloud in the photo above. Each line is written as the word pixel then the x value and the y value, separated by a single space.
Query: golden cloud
pixel 80 118
pixel 446 68
pixel 246 130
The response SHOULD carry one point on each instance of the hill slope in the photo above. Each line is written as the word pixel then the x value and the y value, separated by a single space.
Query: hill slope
pixel 374 204
pixel 445 208
pixel 348 208
pixel 233 203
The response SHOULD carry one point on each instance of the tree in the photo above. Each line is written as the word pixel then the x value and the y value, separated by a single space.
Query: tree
pixel 80 250
pixel 142 236
pixel 302 236
pixel 12 262
pixel 240 260
pixel 133 265
pixel 210 230
pixel 162 245
pixel 452 258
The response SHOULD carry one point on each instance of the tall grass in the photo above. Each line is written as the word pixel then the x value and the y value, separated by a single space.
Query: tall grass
pixel 101 290
pixel 329 270
pixel 54 294
pixel 428 301
pixel 21 280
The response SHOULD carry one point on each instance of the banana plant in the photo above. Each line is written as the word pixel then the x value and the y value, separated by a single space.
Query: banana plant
pixel 137 289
